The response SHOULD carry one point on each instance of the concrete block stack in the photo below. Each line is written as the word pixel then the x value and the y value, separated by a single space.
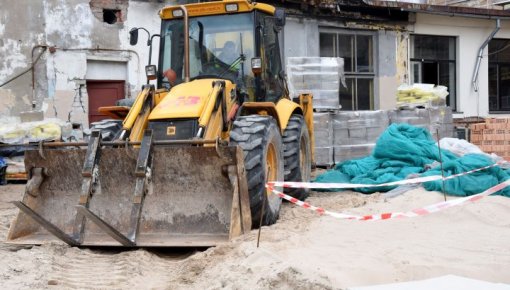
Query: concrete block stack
pixel 432 119
pixel 355 133
pixel 319 76
pixel 323 133
pixel 493 136
pixel 345 135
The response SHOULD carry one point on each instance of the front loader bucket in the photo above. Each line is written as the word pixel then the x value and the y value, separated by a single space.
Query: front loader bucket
pixel 181 196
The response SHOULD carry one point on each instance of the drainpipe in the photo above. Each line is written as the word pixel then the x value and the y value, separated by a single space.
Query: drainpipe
pixel 480 53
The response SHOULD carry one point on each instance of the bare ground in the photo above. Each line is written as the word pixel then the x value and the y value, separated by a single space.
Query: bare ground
pixel 302 251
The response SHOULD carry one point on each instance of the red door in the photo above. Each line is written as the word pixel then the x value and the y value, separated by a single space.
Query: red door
pixel 102 94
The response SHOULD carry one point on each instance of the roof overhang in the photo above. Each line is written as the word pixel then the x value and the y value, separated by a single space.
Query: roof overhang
pixel 441 9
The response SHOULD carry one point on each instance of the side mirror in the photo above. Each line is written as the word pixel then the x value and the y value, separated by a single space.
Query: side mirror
pixel 279 16
pixel 151 72
pixel 133 36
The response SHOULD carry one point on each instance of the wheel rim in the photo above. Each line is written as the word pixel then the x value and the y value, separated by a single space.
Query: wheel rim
pixel 271 164
pixel 302 155
pixel 271 168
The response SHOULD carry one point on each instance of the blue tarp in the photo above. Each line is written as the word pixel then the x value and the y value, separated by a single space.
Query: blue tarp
pixel 3 167
pixel 403 150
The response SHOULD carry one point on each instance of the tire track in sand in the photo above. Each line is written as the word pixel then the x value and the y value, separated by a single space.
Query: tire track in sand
pixel 100 269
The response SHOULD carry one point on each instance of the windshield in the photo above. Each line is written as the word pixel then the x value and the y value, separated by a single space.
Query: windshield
pixel 216 44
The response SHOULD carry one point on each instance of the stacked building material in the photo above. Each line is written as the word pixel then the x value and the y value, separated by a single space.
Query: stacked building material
pixel 323 133
pixel 355 133
pixel 433 119
pixel 421 95
pixel 320 76
pixel 493 136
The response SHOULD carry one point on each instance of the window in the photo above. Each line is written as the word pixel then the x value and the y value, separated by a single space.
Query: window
pixel 214 45
pixel 274 88
pixel 433 61
pixel 357 50
pixel 499 75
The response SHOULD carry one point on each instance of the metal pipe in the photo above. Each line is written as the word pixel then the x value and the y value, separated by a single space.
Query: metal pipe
pixel 186 43
pixel 480 55
pixel 114 143
pixel 31 68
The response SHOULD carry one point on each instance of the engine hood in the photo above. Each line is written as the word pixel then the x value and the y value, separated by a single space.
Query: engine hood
pixel 186 100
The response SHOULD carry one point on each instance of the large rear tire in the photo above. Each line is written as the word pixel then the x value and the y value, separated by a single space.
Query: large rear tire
pixel 260 139
pixel 297 156
pixel 110 129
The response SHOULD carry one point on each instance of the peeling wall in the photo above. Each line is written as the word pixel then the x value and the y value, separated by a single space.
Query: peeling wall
pixel 301 37
pixel 78 31
pixel 76 28
pixel 392 53
pixel 20 30
pixel 387 78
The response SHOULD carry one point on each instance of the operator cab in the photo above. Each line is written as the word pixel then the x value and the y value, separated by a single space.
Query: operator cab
pixel 241 47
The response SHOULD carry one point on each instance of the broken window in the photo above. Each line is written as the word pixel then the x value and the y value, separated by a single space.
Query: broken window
pixel 433 61
pixel 499 75
pixel 357 50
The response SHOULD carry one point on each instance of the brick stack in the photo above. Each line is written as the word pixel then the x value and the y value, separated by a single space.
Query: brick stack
pixel 493 136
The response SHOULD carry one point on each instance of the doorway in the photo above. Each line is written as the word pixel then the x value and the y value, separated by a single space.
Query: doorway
pixel 102 94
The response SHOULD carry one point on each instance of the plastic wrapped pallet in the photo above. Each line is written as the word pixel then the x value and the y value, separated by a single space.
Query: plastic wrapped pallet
pixel 432 119
pixel 423 95
pixel 348 152
pixel 320 76
pixel 13 131
pixel 422 116
pixel 323 133
pixel 359 127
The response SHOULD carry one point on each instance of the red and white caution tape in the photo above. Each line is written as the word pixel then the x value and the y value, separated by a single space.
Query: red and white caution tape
pixel 384 216
pixel 423 179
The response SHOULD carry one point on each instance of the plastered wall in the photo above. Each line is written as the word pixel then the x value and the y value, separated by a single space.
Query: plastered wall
pixel 470 34
pixel 80 35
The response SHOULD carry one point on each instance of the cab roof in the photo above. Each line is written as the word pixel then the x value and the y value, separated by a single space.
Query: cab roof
pixel 215 8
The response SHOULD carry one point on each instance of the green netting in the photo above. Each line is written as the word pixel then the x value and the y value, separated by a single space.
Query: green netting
pixel 403 150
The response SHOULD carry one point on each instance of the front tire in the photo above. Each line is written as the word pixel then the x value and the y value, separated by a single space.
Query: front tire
pixel 260 139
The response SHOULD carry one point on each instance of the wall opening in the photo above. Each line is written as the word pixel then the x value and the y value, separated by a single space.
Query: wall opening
pixel 113 12
pixel 111 16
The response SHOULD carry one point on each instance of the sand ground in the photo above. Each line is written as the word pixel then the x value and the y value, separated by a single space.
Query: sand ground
pixel 302 251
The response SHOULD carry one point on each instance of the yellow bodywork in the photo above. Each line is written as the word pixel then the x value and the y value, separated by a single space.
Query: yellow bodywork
pixel 198 99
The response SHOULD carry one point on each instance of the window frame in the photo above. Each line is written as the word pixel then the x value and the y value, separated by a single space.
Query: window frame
pixel 421 61
pixel 355 74
pixel 497 64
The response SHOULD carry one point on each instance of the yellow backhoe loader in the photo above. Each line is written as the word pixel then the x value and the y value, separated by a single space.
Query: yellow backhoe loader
pixel 190 164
